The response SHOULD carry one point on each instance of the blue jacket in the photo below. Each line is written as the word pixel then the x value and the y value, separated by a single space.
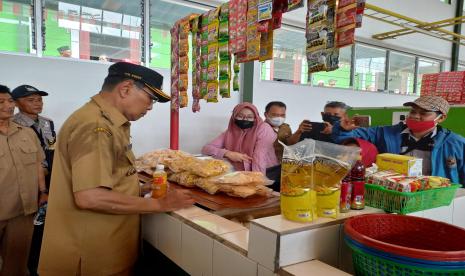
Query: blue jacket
pixel 447 158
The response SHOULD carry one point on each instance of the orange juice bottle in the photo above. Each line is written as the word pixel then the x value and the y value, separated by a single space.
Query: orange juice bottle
pixel 159 184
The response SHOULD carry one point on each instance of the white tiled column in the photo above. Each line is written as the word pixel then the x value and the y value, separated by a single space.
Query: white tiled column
pixel 169 238
pixel 263 246
pixel 197 252
pixel 320 243
pixel 228 262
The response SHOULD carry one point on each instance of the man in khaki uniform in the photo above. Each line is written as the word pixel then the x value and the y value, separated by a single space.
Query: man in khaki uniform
pixel 21 178
pixel 92 224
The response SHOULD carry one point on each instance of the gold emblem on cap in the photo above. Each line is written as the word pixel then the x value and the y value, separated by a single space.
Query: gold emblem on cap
pixel 133 76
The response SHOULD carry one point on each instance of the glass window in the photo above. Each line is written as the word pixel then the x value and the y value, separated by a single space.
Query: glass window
pixel 427 66
pixel 461 67
pixel 15 26
pixel 338 78
pixel 401 73
pixel 163 15
pixel 289 63
pixel 370 67
pixel 96 30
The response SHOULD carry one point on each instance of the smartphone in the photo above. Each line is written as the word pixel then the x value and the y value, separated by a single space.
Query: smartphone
pixel 362 120
pixel 315 133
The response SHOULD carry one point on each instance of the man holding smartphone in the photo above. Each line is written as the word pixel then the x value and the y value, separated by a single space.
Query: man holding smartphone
pixel 333 112
pixel 421 136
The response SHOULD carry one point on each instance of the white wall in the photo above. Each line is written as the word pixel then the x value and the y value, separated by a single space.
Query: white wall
pixel 71 83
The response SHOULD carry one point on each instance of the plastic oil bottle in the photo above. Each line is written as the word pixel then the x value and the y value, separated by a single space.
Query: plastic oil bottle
pixel 159 184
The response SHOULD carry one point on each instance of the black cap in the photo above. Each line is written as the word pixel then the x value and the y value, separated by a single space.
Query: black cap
pixel 150 78
pixel 26 90
pixel 63 48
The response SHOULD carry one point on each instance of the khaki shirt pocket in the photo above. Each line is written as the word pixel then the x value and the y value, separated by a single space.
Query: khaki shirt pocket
pixel 2 159
pixel 131 169
pixel 28 154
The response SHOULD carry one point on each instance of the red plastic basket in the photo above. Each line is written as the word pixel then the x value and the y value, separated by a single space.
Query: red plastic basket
pixel 408 236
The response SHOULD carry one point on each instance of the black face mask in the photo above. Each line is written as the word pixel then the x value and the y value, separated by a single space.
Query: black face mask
pixel 244 124
pixel 330 118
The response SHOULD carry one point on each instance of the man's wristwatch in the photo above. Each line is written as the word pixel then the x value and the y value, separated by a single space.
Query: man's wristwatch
pixel 44 191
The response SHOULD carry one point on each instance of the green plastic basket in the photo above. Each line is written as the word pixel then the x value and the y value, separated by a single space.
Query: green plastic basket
pixel 366 264
pixel 403 203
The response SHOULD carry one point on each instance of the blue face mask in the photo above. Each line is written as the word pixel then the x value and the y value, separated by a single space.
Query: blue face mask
pixel 330 118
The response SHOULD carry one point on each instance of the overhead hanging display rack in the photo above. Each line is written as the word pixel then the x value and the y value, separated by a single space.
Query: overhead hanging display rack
pixel 410 25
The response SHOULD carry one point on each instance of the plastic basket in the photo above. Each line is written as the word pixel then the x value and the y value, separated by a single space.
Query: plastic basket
pixel 386 244
pixel 407 236
pixel 403 203
pixel 368 263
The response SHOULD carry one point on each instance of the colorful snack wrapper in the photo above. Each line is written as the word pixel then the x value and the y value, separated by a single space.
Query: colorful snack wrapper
pixel 212 72
pixel 265 11
pixel 224 88
pixel 266 45
pixel 212 92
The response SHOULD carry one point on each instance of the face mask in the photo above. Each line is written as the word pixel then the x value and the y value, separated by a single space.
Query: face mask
pixel 421 126
pixel 244 124
pixel 330 118
pixel 276 121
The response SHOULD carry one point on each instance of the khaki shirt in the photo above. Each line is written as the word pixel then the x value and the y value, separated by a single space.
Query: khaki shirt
pixel 284 131
pixel 92 150
pixel 20 152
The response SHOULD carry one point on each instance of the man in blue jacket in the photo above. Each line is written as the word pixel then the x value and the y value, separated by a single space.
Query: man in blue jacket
pixel 442 150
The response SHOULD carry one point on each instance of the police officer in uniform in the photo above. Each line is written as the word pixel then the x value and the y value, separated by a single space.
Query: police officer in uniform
pixel 93 211
pixel 29 102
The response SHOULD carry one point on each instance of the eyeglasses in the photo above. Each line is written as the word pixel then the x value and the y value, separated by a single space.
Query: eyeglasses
pixel 152 96
pixel 245 118
pixel 422 113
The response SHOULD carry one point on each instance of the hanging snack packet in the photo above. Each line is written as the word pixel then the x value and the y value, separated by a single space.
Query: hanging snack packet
pixel 346 16
pixel 345 38
pixel 212 92
pixel 213 31
pixel 265 11
pixel 294 4
pixel 360 11
pixel 183 64
pixel 224 88
pixel 213 52
pixel 212 72
pixel 266 44
pixel 241 30
pixel 223 50
pixel 321 37
pixel 175 67
pixel 224 69
pixel 232 25
pixel 343 3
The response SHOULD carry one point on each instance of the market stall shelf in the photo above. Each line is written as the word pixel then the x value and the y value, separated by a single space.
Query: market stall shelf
pixel 225 205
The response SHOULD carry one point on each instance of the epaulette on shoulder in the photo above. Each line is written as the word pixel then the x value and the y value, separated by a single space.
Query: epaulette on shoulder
pixel 103 130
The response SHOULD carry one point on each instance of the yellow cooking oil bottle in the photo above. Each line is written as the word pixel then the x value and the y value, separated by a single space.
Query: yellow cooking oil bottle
pixel 159 184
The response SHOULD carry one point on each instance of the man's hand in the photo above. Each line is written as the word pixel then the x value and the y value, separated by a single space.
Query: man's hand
pixel 175 200
pixel 348 124
pixel 304 126
pixel 328 128
pixel 237 156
